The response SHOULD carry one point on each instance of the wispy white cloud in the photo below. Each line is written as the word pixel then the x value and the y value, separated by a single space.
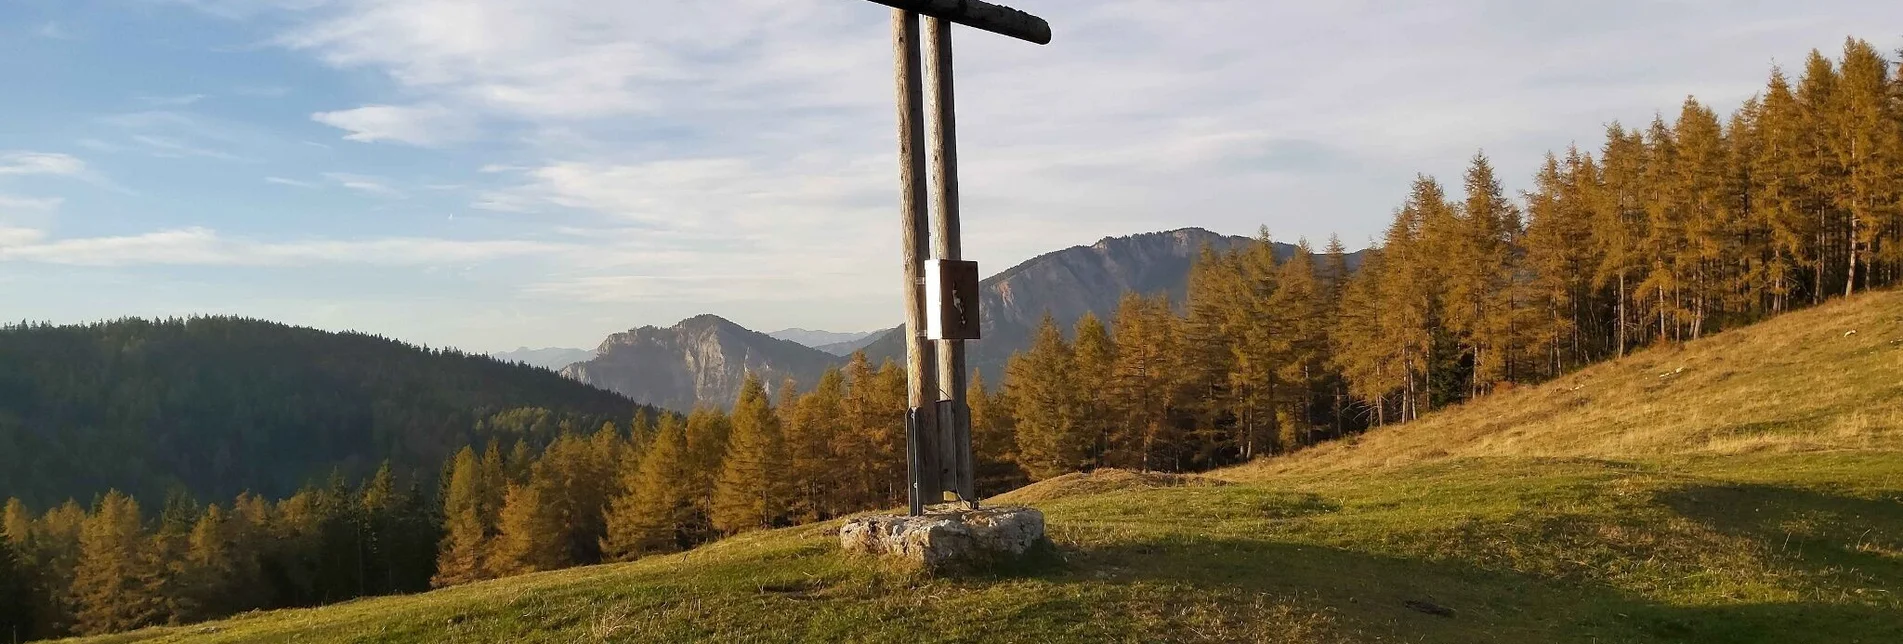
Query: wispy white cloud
pixel 290 182
pixel 22 162
pixel 423 125
pixel 205 247
pixel 170 148
pixel 364 184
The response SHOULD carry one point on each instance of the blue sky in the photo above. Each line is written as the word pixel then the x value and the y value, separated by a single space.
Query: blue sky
pixel 496 173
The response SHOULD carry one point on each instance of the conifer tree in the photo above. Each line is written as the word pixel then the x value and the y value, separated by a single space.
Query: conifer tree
pixel 1820 172
pixel 462 555
pixel 814 423
pixel 20 592
pixel 1203 367
pixel 1778 193
pixel 1141 381
pixel 118 584
pixel 1866 131
pixel 655 507
pixel 751 491
pixel 1367 360
pixel 993 439
pixel 1050 440
pixel 708 432
pixel 1300 306
pixel 531 535
pixel 1479 308
pixel 211 570
pixel 1619 229
pixel 16 592
pixel 1093 360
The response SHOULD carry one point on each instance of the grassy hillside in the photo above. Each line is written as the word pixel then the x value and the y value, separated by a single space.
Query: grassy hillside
pixel 1745 488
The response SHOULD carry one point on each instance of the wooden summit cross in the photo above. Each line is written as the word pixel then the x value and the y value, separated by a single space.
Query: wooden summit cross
pixel 941 296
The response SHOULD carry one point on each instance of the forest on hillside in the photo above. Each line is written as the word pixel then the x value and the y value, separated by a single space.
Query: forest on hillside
pixel 1663 234
pixel 214 406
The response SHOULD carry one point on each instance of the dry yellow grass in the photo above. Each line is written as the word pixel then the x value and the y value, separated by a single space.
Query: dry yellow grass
pixel 1829 378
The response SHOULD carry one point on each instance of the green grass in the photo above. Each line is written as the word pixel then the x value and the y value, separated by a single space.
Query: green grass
pixel 1633 521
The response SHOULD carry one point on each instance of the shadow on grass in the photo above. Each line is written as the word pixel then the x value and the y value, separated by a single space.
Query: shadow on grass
pixel 1857 540
pixel 1845 548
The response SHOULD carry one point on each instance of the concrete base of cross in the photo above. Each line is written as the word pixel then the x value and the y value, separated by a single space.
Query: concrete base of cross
pixel 949 539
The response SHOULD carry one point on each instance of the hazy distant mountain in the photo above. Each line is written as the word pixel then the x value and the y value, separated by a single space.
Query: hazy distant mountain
pixel 846 348
pixel 553 358
pixel 703 359
pixel 821 339
pixel 1070 282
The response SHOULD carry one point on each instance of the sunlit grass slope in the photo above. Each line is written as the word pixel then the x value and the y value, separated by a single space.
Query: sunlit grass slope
pixel 1745 488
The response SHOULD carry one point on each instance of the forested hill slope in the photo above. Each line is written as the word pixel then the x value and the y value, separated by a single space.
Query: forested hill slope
pixel 1081 279
pixel 1742 488
pixel 220 405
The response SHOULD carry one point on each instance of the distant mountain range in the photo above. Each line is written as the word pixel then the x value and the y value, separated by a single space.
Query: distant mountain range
pixel 552 359
pixel 702 360
pixel 821 339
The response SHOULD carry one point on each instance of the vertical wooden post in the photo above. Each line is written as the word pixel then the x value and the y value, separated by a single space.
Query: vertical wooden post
pixel 924 486
pixel 954 422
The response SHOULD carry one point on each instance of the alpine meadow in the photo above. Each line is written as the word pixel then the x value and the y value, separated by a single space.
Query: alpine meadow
pixel 1657 396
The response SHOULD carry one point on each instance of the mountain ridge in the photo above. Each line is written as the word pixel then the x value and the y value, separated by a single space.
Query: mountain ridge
pixel 701 360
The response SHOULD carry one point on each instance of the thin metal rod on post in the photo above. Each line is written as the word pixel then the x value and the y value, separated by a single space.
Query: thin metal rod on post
pixel 954 422
pixel 924 487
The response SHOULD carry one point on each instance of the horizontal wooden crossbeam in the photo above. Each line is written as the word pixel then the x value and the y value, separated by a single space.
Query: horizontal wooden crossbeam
pixel 996 19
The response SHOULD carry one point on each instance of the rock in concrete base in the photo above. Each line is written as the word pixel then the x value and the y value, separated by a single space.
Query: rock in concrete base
pixel 948 539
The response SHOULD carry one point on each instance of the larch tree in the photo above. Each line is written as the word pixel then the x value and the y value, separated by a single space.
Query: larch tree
pixel 1821 172
pixel 1140 380
pixel 1619 229
pixel 1093 359
pixel 813 424
pixel 462 555
pixel 1778 199
pixel 118 584
pixel 1050 440
pixel 1300 343
pixel 1865 137
pixel 531 534
pixel 993 439
pixel 751 491
pixel 655 507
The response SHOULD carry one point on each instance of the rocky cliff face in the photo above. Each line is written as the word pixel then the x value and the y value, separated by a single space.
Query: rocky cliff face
pixel 1073 281
pixel 702 359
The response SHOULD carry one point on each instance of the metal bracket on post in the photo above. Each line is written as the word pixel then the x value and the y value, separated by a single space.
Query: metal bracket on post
pixel 954 432
pixel 915 497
